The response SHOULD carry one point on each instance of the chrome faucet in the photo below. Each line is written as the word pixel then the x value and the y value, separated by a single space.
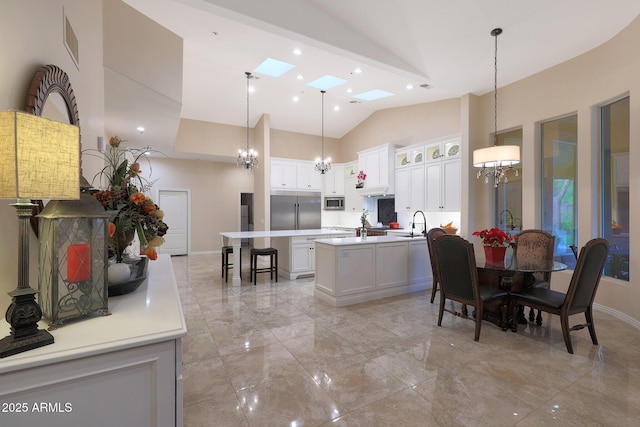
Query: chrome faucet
pixel 413 223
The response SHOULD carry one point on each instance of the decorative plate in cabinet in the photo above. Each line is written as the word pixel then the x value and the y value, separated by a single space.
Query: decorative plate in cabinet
pixel 416 156
pixel 452 148
pixel 401 159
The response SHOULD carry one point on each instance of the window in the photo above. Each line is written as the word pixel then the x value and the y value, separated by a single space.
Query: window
pixel 559 184
pixel 508 195
pixel 614 143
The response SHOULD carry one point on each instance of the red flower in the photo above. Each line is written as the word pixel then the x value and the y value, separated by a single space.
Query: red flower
pixel 495 237
pixel 112 229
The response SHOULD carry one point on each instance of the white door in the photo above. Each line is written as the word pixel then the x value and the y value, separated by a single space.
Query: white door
pixel 175 204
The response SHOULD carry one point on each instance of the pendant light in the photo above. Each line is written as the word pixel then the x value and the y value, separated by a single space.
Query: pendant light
pixel 247 158
pixel 323 164
pixel 494 162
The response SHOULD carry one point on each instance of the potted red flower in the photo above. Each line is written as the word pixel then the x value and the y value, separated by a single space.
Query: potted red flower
pixel 495 243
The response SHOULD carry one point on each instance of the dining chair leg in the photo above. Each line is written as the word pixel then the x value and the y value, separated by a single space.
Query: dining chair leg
pixel 478 322
pixel 441 310
pixel 564 322
pixel 592 329
pixel 434 289
pixel 539 318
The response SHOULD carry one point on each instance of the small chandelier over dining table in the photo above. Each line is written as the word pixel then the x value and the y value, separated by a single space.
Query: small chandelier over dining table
pixel 323 164
pixel 247 158
pixel 494 162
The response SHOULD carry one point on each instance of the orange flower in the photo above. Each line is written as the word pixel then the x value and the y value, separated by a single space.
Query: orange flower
pixel 112 229
pixel 115 141
pixel 135 167
pixel 149 207
pixel 151 253
pixel 138 198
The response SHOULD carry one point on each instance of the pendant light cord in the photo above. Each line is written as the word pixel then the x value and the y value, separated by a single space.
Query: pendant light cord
pixel 495 33
pixel 322 124
pixel 248 77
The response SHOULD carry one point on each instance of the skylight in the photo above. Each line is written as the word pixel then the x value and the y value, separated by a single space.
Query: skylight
pixel 273 68
pixel 373 95
pixel 326 82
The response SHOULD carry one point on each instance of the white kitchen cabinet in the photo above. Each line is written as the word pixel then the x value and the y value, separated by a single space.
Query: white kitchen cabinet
pixel 283 175
pixel 442 171
pixel 410 188
pixel 443 185
pixel 303 257
pixel 378 164
pixel 307 177
pixel 291 174
pixel 334 180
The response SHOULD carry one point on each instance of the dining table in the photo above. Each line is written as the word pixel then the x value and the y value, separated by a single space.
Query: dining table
pixel 510 275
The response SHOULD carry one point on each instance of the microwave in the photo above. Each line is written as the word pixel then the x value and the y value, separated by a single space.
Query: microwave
pixel 334 203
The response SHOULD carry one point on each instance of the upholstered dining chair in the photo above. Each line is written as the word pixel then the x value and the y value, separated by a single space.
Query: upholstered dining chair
pixel 456 266
pixel 579 297
pixel 433 234
pixel 535 247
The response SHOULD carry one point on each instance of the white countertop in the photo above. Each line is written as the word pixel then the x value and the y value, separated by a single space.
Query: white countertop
pixel 152 313
pixel 281 233
pixel 370 240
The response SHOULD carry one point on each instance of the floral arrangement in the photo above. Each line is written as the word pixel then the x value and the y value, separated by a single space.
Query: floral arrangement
pixel 361 177
pixel 495 237
pixel 363 217
pixel 132 211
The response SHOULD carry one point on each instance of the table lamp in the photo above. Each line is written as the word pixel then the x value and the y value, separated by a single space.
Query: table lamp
pixel 39 159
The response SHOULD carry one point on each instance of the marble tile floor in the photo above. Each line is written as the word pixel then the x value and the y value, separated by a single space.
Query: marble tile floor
pixel 273 355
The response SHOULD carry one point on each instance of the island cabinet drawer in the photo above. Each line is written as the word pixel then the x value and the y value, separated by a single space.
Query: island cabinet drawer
pixel 392 264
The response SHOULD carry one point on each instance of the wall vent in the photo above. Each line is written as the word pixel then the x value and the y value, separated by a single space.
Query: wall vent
pixel 71 41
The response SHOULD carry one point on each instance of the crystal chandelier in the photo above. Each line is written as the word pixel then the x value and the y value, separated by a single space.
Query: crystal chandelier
pixel 494 162
pixel 323 164
pixel 247 158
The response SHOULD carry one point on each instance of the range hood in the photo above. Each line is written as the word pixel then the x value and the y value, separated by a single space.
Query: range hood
pixel 380 190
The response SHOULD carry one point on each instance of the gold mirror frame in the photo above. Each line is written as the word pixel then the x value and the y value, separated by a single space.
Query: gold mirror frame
pixel 47 80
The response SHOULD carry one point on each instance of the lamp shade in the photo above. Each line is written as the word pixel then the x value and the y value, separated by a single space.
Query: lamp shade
pixel 39 158
pixel 496 156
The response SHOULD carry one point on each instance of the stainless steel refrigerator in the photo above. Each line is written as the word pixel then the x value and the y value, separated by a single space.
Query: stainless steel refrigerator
pixel 296 211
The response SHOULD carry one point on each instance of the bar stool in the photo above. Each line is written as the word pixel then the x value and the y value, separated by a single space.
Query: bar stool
pixel 273 268
pixel 226 265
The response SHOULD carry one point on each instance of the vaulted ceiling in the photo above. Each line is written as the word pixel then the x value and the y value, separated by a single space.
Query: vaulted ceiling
pixel 395 43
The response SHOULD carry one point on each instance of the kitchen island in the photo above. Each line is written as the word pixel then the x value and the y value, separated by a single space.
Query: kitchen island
pixel 296 248
pixel 354 270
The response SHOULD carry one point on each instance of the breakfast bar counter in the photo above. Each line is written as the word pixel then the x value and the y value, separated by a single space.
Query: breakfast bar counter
pixel 295 248
pixel 352 270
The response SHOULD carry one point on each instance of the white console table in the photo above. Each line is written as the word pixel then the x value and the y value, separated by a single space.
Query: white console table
pixel 294 246
pixel 354 270
pixel 121 370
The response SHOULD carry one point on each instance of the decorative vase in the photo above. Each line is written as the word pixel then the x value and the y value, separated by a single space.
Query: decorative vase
pixel 118 273
pixel 494 255
pixel 360 185
pixel 363 232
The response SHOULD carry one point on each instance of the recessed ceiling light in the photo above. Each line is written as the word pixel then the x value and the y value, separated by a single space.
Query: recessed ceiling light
pixel 297 51
pixel 273 68
pixel 300 77
pixel 336 108
pixel 326 82
pixel 357 71
pixel 409 86
pixel 349 90
pixel 296 99
pixel 140 129
pixel 373 94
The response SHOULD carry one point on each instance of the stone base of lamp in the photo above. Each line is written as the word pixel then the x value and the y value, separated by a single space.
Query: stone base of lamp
pixel 23 315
